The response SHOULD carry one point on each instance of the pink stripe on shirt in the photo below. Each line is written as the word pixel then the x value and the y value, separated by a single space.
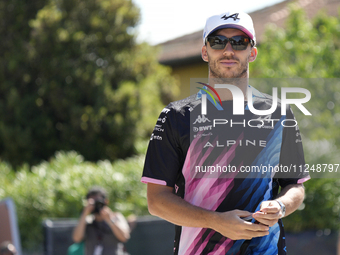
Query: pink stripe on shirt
pixel 154 181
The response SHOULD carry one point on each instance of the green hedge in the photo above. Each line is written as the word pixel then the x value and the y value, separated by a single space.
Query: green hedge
pixel 56 189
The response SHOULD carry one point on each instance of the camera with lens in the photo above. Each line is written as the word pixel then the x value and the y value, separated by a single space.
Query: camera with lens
pixel 98 206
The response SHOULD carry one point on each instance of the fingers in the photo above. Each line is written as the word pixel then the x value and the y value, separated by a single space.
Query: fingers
pixel 271 210
pixel 256 227
pixel 269 214
pixel 268 219
pixel 233 226
pixel 89 205
pixel 249 231
pixel 268 223
pixel 106 210
pixel 252 234
pixel 248 224
pixel 270 206
pixel 90 201
pixel 242 214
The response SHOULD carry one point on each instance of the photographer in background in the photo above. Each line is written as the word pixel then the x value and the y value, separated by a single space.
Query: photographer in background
pixel 103 230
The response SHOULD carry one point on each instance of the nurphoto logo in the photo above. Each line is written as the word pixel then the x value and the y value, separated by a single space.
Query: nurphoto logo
pixel 238 99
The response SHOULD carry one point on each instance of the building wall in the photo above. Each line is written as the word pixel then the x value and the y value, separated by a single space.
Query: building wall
pixel 185 72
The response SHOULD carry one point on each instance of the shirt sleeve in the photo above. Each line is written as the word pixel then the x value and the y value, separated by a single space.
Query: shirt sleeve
pixel 292 156
pixel 164 157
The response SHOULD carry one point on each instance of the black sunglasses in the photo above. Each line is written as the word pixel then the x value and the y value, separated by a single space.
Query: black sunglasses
pixel 239 42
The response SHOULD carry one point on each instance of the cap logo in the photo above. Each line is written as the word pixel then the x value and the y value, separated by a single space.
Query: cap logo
pixel 233 16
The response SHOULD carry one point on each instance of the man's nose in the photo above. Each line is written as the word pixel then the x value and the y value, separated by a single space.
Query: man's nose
pixel 228 50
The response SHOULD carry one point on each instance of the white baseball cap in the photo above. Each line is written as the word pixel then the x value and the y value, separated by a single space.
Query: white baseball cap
pixel 231 19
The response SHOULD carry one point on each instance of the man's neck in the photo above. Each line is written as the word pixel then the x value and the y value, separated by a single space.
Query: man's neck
pixel 225 94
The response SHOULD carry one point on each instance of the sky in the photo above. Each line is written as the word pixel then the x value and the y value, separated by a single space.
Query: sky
pixel 163 20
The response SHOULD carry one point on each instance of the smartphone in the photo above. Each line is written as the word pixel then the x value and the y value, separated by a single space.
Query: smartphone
pixel 248 218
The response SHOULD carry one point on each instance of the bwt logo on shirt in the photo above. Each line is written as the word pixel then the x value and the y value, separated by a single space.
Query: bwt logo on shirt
pixel 238 99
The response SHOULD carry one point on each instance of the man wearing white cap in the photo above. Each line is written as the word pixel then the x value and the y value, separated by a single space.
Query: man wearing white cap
pixel 221 212
pixel 231 62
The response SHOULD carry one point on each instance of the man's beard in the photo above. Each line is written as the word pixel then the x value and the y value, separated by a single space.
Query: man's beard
pixel 240 72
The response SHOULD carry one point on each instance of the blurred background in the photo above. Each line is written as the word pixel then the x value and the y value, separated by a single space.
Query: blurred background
pixel 82 83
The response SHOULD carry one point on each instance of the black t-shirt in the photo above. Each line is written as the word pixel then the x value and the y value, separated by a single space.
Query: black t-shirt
pixel 221 162
pixel 98 235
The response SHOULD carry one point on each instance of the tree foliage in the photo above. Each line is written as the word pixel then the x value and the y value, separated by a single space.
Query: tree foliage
pixel 73 78
pixel 310 48
pixel 307 49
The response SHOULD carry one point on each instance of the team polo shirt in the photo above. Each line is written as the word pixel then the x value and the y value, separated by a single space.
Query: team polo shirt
pixel 221 162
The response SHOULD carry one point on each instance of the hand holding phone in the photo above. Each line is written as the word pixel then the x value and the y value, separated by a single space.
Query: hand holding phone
pixel 248 218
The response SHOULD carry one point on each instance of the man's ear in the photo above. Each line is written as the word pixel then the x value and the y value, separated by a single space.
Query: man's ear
pixel 253 54
pixel 204 53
